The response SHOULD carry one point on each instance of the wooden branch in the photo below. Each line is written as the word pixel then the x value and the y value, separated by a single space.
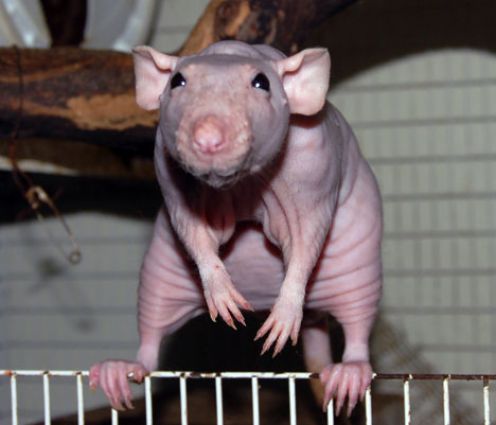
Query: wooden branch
pixel 281 23
pixel 73 94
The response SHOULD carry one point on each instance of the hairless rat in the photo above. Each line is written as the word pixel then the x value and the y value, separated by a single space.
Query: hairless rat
pixel 251 157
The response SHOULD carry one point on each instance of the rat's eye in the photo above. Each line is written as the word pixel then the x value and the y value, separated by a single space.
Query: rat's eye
pixel 261 82
pixel 177 81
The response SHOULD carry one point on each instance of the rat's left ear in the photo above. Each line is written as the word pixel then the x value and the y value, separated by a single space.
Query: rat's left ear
pixel 305 77
pixel 152 70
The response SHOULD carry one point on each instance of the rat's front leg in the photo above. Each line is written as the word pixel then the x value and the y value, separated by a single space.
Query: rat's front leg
pixel 168 296
pixel 221 296
pixel 285 317
pixel 301 246
pixel 202 243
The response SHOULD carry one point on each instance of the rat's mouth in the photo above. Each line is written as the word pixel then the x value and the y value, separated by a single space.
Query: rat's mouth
pixel 216 177
pixel 219 169
pixel 221 182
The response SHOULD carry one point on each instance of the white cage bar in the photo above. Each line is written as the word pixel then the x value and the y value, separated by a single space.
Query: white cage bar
pixel 487 412
pixel 255 401
pixel 253 377
pixel 46 398
pixel 406 400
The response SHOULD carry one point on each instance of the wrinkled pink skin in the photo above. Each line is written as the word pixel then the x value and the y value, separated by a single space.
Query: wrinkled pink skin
pixel 309 202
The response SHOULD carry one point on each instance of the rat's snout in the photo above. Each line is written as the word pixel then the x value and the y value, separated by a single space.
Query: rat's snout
pixel 214 144
pixel 209 135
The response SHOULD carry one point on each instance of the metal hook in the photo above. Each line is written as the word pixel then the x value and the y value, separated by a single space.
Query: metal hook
pixel 36 195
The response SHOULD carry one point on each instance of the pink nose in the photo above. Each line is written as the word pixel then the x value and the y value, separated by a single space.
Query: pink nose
pixel 208 135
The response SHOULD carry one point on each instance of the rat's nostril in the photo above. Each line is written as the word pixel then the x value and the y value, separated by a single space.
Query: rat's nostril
pixel 208 135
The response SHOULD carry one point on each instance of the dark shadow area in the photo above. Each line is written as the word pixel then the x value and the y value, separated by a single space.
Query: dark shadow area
pixel 132 198
pixel 374 32
pixel 66 21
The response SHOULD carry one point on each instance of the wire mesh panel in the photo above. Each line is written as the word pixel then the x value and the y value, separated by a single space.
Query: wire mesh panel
pixel 254 378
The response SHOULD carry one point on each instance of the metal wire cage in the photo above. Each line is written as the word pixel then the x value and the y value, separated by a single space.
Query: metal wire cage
pixel 47 376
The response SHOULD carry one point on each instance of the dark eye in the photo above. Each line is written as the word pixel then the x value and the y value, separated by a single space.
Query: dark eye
pixel 261 82
pixel 177 80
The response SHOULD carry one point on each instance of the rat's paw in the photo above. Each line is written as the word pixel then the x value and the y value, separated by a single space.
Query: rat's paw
pixel 112 377
pixel 284 321
pixel 223 298
pixel 346 380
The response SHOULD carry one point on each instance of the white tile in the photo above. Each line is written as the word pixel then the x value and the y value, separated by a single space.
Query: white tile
pixel 180 13
pixel 169 42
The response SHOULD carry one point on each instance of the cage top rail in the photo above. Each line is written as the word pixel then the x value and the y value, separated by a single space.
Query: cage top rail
pixel 261 375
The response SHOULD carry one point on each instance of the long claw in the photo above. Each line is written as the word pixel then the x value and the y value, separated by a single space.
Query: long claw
pixel 264 329
pixel 276 351
pixel 281 342
pixel 345 381
pixel 330 382
pixel 241 301
pixel 233 308
pixel 353 393
pixel 230 323
pixel 211 308
pixel 226 316
pixel 342 392
pixel 125 391
pixel 109 389
pixel 269 341
pixel 294 333
pixel 366 379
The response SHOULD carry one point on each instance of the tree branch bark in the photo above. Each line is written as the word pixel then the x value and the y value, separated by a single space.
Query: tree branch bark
pixel 81 95
pixel 283 24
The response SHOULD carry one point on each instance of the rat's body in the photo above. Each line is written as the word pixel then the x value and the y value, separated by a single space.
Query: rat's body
pixel 275 212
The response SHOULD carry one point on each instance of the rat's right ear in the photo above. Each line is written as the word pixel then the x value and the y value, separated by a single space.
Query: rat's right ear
pixel 305 77
pixel 152 70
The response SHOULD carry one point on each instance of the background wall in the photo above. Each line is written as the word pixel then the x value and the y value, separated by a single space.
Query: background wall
pixel 424 111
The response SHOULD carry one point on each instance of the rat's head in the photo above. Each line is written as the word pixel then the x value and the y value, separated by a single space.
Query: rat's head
pixel 224 113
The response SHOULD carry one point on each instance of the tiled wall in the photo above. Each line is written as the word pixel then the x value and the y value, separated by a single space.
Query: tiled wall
pixel 430 139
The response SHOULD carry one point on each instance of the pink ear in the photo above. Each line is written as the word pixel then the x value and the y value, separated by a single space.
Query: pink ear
pixel 305 77
pixel 152 70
